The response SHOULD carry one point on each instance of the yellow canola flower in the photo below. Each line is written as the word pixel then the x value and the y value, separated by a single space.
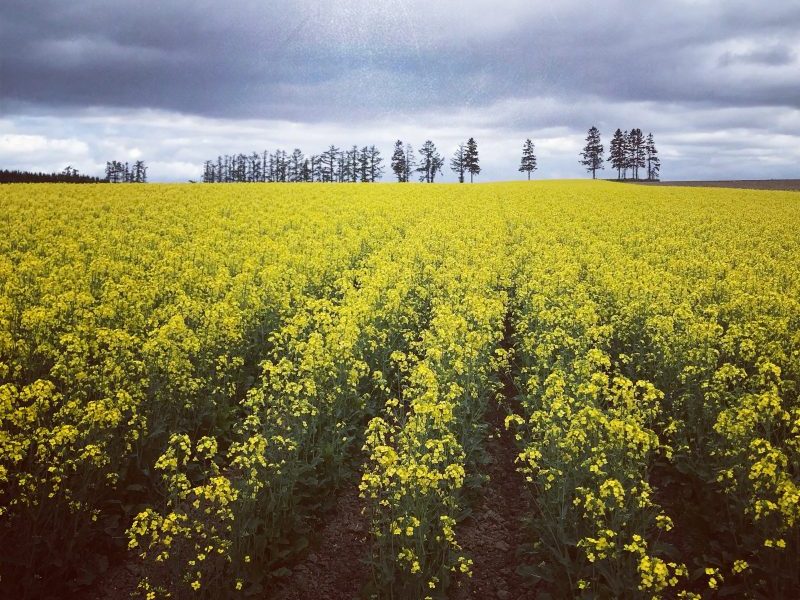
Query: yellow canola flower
pixel 647 326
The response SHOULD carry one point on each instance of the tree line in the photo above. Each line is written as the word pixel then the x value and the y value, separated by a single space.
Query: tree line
pixel 631 154
pixel 332 165
pixel 68 175
pixel 628 152
pixel 336 165
pixel 119 172
pixel 465 160
pixel 116 172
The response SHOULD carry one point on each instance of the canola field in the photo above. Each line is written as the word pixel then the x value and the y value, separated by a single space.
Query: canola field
pixel 188 373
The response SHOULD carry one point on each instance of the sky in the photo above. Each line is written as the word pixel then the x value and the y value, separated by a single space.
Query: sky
pixel 176 82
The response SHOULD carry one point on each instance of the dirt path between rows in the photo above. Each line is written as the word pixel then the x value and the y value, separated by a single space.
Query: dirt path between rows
pixel 494 532
pixel 334 569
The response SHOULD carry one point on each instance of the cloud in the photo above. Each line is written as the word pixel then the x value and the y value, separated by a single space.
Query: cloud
pixel 42 153
pixel 176 81
pixel 709 143
pixel 314 60
pixel 28 145
pixel 776 56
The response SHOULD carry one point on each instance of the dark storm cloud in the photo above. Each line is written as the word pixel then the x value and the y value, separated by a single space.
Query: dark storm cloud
pixel 315 60
pixel 777 56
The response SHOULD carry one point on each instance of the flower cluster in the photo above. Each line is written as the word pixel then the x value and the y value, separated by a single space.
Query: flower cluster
pixel 421 448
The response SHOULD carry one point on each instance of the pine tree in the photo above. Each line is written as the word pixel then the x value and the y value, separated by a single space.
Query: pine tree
pixel 636 152
pixel 592 154
pixel 616 152
pixel 352 164
pixel 653 162
pixel 457 163
pixel 295 165
pixel 374 159
pixel 254 167
pixel 241 168
pixel 140 172
pixel 283 164
pixel 328 159
pixel 528 162
pixel 471 159
pixel 399 161
pixel 627 162
pixel 431 162
pixel 341 167
pixel 363 165
pixel 316 168
pixel 270 171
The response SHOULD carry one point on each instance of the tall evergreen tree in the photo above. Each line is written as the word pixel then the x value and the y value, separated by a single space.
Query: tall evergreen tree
pixel 528 162
pixel 281 166
pixel 352 164
pixel 316 168
pixel 341 167
pixel 626 154
pixel 399 161
pixel 270 173
pixel 653 162
pixel 329 163
pixel 254 167
pixel 616 152
pixel 471 159
pixel 363 165
pixel 139 172
pixel 592 154
pixel 296 165
pixel 636 152
pixel 458 163
pixel 431 162
pixel 208 172
pixel 374 161
pixel 241 167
